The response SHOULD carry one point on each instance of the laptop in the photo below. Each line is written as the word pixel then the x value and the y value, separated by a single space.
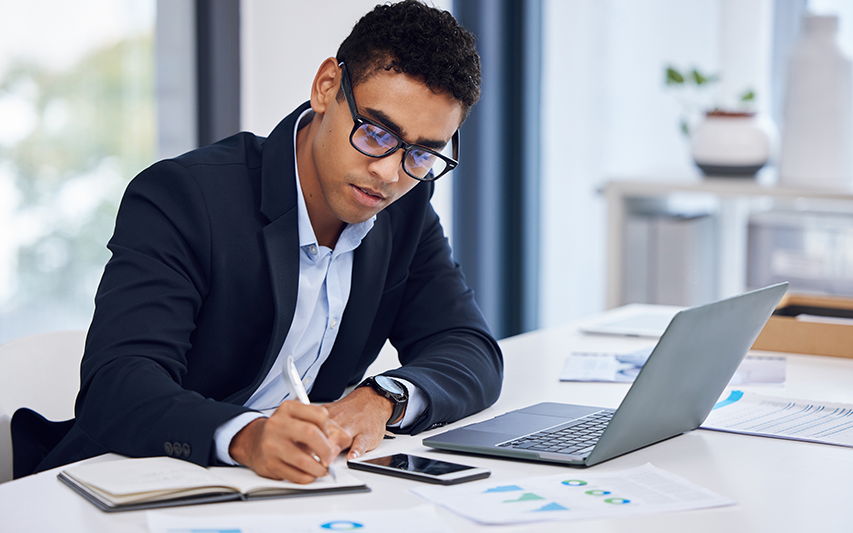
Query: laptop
pixel 674 392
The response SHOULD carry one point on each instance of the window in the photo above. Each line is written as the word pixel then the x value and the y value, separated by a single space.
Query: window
pixel 78 122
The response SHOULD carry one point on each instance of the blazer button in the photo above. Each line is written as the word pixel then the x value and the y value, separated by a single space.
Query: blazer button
pixel 168 448
pixel 186 449
pixel 176 449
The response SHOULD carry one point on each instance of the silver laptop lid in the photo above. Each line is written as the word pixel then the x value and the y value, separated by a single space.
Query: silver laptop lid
pixel 687 371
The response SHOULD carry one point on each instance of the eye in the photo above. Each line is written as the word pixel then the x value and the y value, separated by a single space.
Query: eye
pixel 379 139
pixel 422 159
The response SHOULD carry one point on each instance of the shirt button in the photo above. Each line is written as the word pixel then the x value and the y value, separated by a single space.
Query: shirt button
pixel 312 249
pixel 308 381
pixel 333 323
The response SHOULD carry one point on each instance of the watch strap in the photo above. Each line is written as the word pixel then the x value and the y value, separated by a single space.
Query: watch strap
pixel 399 400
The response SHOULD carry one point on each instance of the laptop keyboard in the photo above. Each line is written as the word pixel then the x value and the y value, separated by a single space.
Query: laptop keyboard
pixel 578 437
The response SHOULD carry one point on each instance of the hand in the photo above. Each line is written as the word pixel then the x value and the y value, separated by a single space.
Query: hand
pixel 288 444
pixel 363 414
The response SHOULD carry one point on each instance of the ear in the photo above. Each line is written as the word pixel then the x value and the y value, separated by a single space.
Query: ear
pixel 326 84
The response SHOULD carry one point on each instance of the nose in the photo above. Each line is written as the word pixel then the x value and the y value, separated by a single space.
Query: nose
pixel 388 168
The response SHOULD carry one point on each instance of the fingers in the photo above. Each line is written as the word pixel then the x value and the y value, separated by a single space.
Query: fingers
pixel 362 415
pixel 314 414
pixel 296 443
pixel 291 462
pixel 360 445
pixel 339 436
pixel 308 426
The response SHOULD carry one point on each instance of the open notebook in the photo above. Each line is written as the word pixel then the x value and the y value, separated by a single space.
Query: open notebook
pixel 127 484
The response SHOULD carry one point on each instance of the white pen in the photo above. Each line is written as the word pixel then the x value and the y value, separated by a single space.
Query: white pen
pixel 291 375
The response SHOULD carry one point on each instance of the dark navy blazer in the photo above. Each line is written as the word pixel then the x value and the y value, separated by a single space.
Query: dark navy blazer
pixel 200 292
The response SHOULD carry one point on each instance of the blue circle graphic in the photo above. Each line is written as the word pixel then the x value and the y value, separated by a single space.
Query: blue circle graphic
pixel 617 501
pixel 574 482
pixel 598 492
pixel 342 525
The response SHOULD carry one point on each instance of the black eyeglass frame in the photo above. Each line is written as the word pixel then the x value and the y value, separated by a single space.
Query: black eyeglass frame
pixel 359 121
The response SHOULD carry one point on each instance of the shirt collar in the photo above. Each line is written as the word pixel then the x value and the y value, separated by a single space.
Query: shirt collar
pixel 352 235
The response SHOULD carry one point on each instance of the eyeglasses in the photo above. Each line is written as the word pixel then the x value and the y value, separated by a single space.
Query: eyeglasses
pixel 374 140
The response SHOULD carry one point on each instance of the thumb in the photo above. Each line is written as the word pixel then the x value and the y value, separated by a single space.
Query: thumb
pixel 360 445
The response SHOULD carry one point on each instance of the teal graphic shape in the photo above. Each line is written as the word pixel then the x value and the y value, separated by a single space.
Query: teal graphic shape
pixel 734 396
pixel 598 492
pixel 617 501
pixel 553 506
pixel 574 482
pixel 505 488
pixel 342 525
pixel 526 497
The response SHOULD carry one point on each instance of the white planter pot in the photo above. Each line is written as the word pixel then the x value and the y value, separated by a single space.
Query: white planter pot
pixel 732 144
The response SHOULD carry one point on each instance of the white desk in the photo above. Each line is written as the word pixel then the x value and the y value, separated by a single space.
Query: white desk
pixel 779 485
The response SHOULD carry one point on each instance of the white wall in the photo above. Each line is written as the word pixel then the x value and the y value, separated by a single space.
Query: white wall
pixel 607 114
pixel 282 45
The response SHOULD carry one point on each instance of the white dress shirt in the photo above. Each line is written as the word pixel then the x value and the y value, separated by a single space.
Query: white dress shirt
pixel 325 278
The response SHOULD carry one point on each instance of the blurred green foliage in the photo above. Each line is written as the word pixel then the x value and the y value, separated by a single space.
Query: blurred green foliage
pixel 94 130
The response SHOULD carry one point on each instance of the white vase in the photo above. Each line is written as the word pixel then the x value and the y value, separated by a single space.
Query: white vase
pixel 732 144
pixel 817 127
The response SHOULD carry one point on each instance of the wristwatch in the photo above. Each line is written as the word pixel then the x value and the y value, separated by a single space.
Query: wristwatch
pixel 391 389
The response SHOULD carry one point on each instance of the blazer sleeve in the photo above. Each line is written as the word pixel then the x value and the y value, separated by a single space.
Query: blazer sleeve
pixel 131 400
pixel 443 341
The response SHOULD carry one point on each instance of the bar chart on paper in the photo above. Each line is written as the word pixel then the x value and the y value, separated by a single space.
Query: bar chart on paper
pixel 574 495
pixel 782 418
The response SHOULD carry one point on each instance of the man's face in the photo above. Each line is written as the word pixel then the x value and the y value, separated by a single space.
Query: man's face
pixel 354 186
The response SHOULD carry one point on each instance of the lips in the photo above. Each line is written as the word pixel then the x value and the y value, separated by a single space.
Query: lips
pixel 367 197
pixel 370 192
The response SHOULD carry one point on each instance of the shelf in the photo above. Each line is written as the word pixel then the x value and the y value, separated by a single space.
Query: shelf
pixel 734 199
pixel 727 187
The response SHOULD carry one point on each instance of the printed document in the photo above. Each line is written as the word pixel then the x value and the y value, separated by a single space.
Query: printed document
pixel 573 495
pixel 422 519
pixel 624 367
pixel 782 418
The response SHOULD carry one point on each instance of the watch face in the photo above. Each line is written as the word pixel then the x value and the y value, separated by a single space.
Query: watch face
pixel 389 384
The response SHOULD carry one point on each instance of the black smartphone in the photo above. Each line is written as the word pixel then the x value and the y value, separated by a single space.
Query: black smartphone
pixel 420 469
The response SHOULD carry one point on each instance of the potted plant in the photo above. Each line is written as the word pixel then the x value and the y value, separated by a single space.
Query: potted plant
pixel 733 142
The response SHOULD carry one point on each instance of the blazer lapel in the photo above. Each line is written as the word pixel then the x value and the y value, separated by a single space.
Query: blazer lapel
pixel 282 243
pixel 281 238
pixel 370 266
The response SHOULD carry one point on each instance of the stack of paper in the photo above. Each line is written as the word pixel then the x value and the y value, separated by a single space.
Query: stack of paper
pixel 624 367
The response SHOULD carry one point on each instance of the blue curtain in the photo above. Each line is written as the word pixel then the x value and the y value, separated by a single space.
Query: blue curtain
pixel 496 186
pixel 218 69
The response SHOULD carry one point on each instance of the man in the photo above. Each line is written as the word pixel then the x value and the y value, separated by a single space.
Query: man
pixel 317 242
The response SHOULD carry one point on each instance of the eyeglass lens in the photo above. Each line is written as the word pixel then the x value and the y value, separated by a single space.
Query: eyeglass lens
pixel 373 140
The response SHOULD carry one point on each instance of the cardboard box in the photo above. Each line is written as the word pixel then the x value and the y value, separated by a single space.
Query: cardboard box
pixel 786 333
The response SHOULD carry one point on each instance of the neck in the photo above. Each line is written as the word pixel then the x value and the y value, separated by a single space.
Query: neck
pixel 327 227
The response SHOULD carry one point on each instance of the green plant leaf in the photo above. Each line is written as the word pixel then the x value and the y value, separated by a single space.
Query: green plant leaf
pixel 685 128
pixel 673 77
pixel 701 79
pixel 748 96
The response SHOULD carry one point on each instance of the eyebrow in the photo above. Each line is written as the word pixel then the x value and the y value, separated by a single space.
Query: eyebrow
pixel 386 121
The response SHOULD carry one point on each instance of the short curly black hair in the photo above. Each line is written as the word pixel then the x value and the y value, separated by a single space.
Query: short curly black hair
pixel 419 40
